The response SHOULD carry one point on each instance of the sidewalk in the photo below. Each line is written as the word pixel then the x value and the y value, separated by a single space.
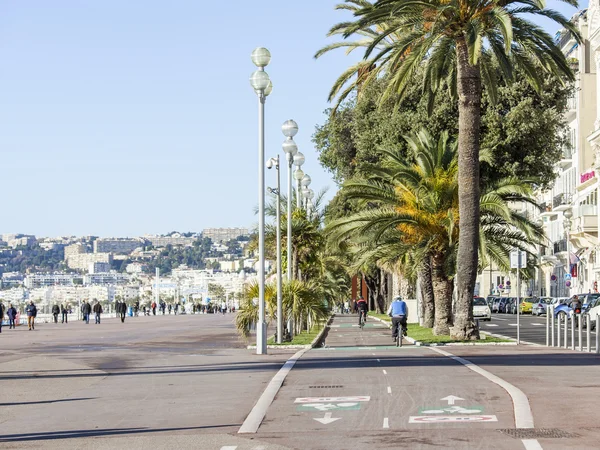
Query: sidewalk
pixel 361 387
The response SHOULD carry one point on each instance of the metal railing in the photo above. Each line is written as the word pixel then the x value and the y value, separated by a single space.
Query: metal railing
pixel 560 246
pixel 561 199
pixel 566 330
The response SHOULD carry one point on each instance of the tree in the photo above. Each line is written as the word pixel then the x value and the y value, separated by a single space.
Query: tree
pixel 216 291
pixel 446 38
pixel 409 218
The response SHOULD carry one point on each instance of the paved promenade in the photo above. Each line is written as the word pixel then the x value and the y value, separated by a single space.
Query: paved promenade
pixel 188 382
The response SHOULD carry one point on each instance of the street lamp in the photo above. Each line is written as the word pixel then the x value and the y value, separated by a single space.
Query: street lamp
pixel 260 82
pixel 289 129
pixel 298 175
pixel 540 223
pixel 567 214
pixel 274 162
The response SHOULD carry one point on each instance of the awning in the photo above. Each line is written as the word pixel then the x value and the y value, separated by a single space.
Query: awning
pixel 583 240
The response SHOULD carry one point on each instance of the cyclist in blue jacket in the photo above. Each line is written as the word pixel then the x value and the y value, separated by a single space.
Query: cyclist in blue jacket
pixel 398 311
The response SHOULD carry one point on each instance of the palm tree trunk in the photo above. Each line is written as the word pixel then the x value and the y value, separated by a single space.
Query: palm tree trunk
pixel 469 120
pixel 442 292
pixel 382 294
pixel 426 285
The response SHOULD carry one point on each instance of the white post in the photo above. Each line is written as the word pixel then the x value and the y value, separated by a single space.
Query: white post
pixel 558 321
pixel 597 333
pixel 552 322
pixel 588 333
pixel 573 331
pixel 279 284
pixel 290 159
pixel 157 293
pixel 566 332
pixel 547 327
pixel 519 300
pixel 261 329
pixel 579 332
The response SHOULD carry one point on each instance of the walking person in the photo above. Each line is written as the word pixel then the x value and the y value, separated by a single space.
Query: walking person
pixel 86 310
pixel 153 308
pixel 55 311
pixel 136 308
pixel 64 312
pixel 1 315
pixel 97 311
pixel 12 315
pixel 31 311
pixel 121 310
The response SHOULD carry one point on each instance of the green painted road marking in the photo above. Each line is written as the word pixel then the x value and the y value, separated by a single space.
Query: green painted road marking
pixel 379 347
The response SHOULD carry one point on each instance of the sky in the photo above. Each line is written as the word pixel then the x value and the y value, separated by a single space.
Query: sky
pixel 124 118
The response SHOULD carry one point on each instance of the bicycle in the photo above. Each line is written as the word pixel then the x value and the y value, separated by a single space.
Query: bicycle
pixel 399 333
pixel 362 319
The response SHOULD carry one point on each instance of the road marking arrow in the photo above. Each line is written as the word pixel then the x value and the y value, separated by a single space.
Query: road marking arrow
pixel 451 399
pixel 327 419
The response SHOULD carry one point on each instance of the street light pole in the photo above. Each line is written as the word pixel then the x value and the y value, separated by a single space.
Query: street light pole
pixel 298 175
pixel 289 129
pixel 567 225
pixel 262 85
pixel 274 162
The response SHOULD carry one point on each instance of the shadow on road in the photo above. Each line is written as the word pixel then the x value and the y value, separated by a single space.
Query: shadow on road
pixel 42 402
pixel 98 432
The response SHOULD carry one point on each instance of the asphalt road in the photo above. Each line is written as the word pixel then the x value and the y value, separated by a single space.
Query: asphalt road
pixel 189 382
pixel 532 328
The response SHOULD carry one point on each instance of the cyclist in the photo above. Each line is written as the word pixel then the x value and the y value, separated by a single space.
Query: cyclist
pixel 398 311
pixel 362 308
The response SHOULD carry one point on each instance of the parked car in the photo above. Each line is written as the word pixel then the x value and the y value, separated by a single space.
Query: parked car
pixel 527 305
pixel 499 305
pixel 481 309
pixel 588 301
pixel 539 307
pixel 592 313
pixel 496 304
pixel 490 300
pixel 509 305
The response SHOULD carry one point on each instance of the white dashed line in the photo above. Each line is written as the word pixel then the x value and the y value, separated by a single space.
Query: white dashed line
pixel 384 372
pixel 531 444
pixel 229 447
pixel 389 389
pixel 491 324
pixel 386 423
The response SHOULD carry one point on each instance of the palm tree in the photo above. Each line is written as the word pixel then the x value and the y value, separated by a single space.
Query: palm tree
pixel 411 217
pixel 454 41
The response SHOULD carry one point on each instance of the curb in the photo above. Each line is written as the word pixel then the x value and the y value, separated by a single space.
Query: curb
pixel 313 344
pixel 459 344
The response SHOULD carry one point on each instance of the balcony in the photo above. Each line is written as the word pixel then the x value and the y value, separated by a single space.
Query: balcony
pixel 546 210
pixel 561 202
pixel 560 246
pixel 566 157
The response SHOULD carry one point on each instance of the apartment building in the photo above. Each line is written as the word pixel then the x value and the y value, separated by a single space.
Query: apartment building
pixel 174 240
pixel 224 234
pixel 118 246
pixel 82 261
pixel 40 280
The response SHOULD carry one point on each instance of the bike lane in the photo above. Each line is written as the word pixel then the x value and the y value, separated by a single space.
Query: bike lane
pixel 361 391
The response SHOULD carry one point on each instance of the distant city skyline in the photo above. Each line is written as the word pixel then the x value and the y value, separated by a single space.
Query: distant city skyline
pixel 131 118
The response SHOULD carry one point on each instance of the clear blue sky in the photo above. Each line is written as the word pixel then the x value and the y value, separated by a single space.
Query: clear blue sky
pixel 119 118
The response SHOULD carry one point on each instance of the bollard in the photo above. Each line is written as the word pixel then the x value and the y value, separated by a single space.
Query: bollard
pixel 597 333
pixel 558 320
pixel 588 333
pixel 572 331
pixel 566 331
pixel 547 327
pixel 579 332
pixel 552 323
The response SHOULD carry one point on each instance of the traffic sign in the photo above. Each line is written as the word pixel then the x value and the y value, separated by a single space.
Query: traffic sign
pixel 567 277
pixel 518 259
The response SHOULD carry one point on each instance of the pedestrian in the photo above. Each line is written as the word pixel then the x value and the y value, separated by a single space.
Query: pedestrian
pixel 223 308
pixel 1 315
pixel 346 307
pixel 12 315
pixel 136 308
pixel 31 311
pixel 97 311
pixel 576 305
pixel 176 308
pixel 121 310
pixel 55 311
pixel 169 308
pixel 153 308
pixel 86 310
pixel 64 313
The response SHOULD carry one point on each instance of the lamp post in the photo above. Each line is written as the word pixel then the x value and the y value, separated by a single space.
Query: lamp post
pixel 289 129
pixel 567 214
pixel 540 223
pixel 260 82
pixel 298 175
pixel 309 194
pixel 274 162
pixel 305 182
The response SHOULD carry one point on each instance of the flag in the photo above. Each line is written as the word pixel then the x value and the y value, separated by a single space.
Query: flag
pixel 574 260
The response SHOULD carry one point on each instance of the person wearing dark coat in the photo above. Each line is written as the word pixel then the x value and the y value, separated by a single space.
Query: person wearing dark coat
pixel 1 315
pixel 31 311
pixel 12 316
pixel 64 312
pixel 55 311
pixel 97 311
pixel 121 309
pixel 86 310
